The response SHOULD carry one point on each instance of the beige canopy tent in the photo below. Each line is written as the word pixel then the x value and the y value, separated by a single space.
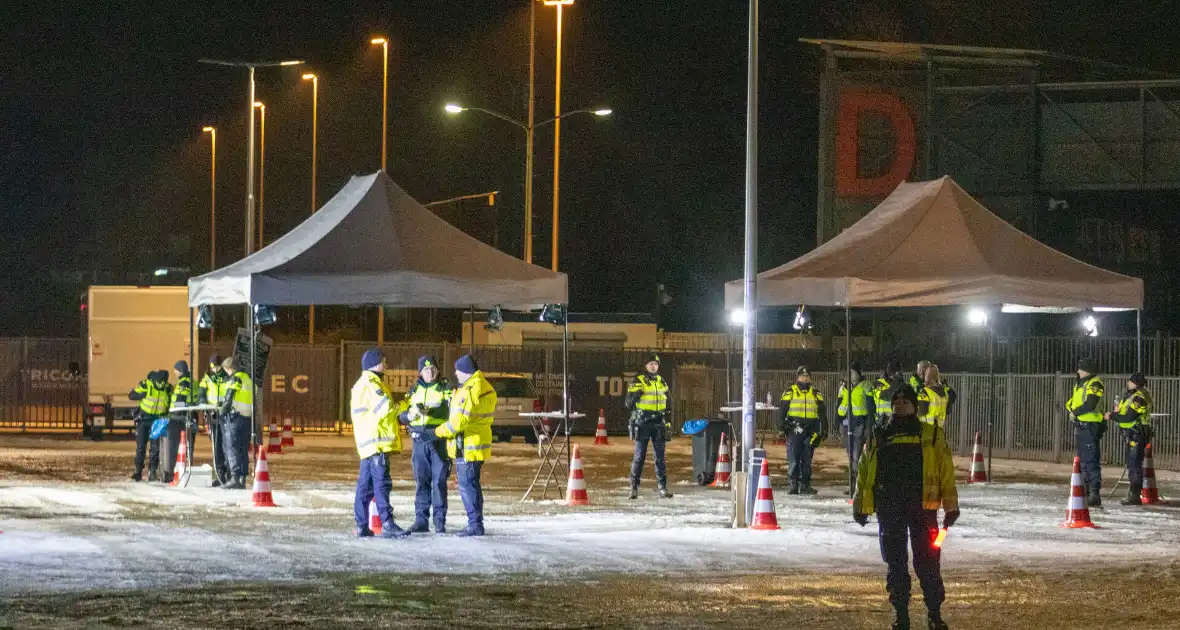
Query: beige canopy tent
pixel 931 244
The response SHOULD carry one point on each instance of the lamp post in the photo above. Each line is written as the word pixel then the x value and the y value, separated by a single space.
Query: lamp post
pixel 559 4
pixel 212 131
pixel 315 100
pixel 261 173
pixel 384 43
pixel 750 279
pixel 528 128
pixel 979 317
pixel 251 65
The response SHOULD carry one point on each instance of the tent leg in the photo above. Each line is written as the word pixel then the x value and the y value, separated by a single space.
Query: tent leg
pixel 991 396
pixel 565 383
pixel 1139 340
pixel 848 372
pixel 471 340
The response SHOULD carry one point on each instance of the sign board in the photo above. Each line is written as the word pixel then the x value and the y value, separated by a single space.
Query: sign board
pixel 262 346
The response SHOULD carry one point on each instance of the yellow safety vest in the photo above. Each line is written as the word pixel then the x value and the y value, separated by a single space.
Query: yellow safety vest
pixel 937 406
pixel 433 396
pixel 215 386
pixel 938 473
pixel 473 407
pixel 860 400
pixel 884 405
pixel 653 393
pixel 803 404
pixel 374 418
pixel 1138 401
pixel 1081 391
pixel 156 400
pixel 241 387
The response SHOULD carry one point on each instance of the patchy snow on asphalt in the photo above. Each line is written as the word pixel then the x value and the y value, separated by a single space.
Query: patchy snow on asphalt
pixel 128 535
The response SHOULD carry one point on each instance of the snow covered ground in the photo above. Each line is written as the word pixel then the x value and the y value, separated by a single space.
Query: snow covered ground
pixel 127 535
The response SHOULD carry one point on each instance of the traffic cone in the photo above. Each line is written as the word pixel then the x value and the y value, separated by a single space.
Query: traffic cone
pixel 182 460
pixel 978 471
pixel 600 434
pixel 1149 494
pixel 275 444
pixel 288 433
pixel 764 515
pixel 262 495
pixel 575 490
pixel 1077 514
pixel 374 518
pixel 721 474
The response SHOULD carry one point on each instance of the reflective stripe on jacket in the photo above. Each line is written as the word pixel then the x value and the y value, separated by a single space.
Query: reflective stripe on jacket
pixel 240 389
pixel 653 392
pixel 884 406
pixel 1139 404
pixel 214 385
pixel 374 417
pixel 935 406
pixel 473 407
pixel 803 403
pixel 183 393
pixel 1081 391
pixel 157 397
pixel 860 400
pixel 435 397
pixel 938 472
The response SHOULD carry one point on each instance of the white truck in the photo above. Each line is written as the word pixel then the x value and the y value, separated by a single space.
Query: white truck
pixel 129 331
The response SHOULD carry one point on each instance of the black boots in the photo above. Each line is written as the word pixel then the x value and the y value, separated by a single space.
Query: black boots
pixel 793 488
pixel 1133 498
pixel 934 621
pixel 1095 499
pixel 805 488
pixel 664 494
pixel 634 492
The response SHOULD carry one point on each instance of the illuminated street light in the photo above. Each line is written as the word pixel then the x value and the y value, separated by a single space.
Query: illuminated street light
pixel 261 174
pixel 384 44
pixel 977 317
pixel 1090 325
pixel 737 316
pixel 315 102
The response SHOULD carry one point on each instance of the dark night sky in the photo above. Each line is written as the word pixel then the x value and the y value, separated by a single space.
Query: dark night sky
pixel 105 166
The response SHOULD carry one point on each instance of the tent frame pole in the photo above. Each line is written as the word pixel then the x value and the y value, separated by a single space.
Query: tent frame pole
pixel 991 395
pixel 1139 340
pixel 850 386
pixel 565 381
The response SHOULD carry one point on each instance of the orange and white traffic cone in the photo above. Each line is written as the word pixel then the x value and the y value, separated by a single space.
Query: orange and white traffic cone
pixel 600 433
pixel 275 444
pixel 764 514
pixel 1077 514
pixel 1150 493
pixel 575 490
pixel 262 495
pixel 288 433
pixel 721 474
pixel 182 460
pixel 374 518
pixel 978 470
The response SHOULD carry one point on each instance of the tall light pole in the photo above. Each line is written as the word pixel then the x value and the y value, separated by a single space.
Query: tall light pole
pixel 384 43
pixel 212 131
pixel 560 4
pixel 249 231
pixel 750 283
pixel 528 141
pixel 261 173
pixel 529 129
pixel 315 100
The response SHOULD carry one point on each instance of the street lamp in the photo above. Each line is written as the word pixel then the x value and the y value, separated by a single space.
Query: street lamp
pixel 384 43
pixel 315 100
pixel 212 131
pixel 978 317
pixel 261 174
pixel 251 65
pixel 737 317
pixel 560 4
pixel 529 129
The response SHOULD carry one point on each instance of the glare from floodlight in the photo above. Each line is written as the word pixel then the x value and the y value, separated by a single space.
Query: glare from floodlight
pixel 737 316
pixel 452 108
pixel 602 112
pixel 977 317
pixel 800 319
pixel 1090 325
pixel 161 272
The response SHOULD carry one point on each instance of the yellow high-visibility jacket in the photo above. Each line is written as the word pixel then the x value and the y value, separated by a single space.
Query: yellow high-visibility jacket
pixel 938 472
pixel 473 407
pixel 374 417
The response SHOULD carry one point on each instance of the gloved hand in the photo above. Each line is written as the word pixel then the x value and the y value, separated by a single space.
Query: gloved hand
pixel 816 439
pixel 798 428
pixel 413 413
pixel 950 518
pixel 863 519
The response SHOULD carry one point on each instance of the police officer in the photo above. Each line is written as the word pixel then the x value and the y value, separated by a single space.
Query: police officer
pixel 237 416
pixel 426 406
pixel 1089 426
pixel 855 416
pixel 1134 417
pixel 803 418
pixel 374 427
pixel 905 475
pixel 935 399
pixel 647 398
pixel 918 378
pixel 182 394
pixel 154 395
pixel 469 437
pixel 210 391
pixel 883 392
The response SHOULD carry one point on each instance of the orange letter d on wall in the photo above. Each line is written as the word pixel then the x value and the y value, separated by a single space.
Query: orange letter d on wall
pixel 854 103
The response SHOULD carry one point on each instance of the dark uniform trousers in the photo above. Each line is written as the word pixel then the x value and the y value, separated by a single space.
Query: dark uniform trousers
pixel 143 432
pixel 220 462
pixel 1089 438
pixel 235 440
pixel 651 427
pixel 799 450
pixel 1136 448
pixel 854 441
pixel 431 468
pixel 903 522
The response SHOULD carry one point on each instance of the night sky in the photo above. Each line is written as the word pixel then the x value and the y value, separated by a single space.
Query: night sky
pixel 105 167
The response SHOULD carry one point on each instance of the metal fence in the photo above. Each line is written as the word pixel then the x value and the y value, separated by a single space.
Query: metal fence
pixel 42 385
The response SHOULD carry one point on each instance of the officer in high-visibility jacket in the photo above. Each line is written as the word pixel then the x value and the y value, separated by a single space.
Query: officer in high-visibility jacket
pixel 855 418
pixel 803 418
pixel 905 476
pixel 647 398
pixel 1089 424
pixel 182 394
pixel 918 378
pixel 426 406
pixel 883 390
pixel 210 391
pixel 237 418
pixel 154 395
pixel 1134 418
pixel 469 437
pixel 374 427
pixel 935 398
